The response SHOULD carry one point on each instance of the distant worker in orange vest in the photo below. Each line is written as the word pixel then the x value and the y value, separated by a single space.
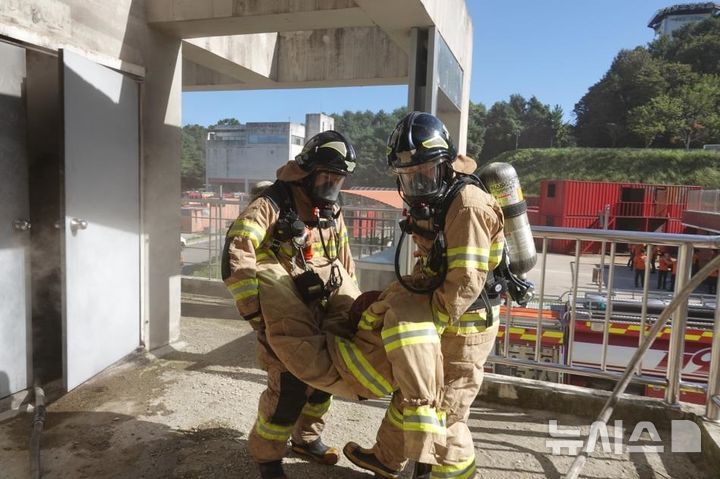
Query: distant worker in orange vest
pixel 664 266
pixel 639 266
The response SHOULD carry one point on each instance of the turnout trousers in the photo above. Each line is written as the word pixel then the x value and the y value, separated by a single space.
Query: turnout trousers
pixel 288 407
pixel 464 357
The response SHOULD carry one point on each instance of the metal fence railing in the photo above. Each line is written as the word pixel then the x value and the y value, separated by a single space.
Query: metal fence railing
pixel 604 319
pixel 205 222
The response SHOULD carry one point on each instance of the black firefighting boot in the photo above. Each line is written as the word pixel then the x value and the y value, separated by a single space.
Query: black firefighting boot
pixel 365 459
pixel 272 470
pixel 422 471
pixel 317 451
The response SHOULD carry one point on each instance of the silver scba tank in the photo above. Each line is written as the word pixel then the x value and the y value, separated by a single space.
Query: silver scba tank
pixel 502 181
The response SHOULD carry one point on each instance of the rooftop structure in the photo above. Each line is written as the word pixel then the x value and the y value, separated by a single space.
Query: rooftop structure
pixel 667 20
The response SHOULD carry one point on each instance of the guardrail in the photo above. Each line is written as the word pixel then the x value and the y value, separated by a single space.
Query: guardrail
pixel 205 222
pixel 673 381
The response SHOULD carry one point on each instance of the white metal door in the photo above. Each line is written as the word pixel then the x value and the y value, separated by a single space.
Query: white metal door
pixel 14 233
pixel 102 217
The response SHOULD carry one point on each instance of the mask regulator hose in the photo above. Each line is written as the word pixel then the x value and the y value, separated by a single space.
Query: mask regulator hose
pixel 442 267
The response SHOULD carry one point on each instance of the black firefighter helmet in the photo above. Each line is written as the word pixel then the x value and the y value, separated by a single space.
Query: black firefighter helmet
pixel 328 157
pixel 417 150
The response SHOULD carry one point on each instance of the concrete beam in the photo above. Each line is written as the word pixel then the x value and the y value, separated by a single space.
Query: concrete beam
pixel 249 58
pixel 452 20
pixel 397 18
pixel 320 58
pixel 208 18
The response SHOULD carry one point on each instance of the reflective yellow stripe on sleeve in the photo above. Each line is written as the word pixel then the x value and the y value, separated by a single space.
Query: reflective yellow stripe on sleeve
pixel 263 254
pixel 408 334
pixel 441 319
pixel 361 368
pixel 249 229
pixel 463 470
pixel 469 257
pixel 496 251
pixel 317 410
pixel 424 419
pixel 244 288
pixel 394 416
pixel 368 321
pixel 272 432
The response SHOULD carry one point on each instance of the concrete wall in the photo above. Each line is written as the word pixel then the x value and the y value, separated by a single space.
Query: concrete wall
pixel 116 34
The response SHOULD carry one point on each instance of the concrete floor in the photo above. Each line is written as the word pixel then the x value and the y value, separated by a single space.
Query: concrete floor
pixel 188 413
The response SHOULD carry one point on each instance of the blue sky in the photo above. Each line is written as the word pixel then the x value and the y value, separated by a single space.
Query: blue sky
pixel 553 49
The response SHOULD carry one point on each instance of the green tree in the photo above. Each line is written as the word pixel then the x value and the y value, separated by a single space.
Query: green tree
pixel 522 123
pixel 696 45
pixel 192 169
pixel 503 131
pixel 477 119
pixel 696 113
pixel 653 119
pixel 560 131
pixel 368 132
pixel 634 78
pixel 226 122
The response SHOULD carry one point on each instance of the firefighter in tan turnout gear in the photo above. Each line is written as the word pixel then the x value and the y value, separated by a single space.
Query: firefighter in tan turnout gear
pixel 458 230
pixel 287 256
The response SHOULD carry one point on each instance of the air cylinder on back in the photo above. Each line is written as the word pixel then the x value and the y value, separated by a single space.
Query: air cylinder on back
pixel 503 183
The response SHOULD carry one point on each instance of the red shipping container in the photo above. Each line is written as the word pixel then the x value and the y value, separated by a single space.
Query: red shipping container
pixel 632 206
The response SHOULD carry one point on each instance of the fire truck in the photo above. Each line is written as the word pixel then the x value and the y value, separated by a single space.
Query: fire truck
pixel 624 330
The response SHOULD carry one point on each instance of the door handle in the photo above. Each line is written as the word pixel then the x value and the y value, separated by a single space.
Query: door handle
pixel 78 224
pixel 21 224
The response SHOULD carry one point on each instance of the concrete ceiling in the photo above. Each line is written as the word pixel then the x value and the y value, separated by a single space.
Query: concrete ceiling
pixel 251 44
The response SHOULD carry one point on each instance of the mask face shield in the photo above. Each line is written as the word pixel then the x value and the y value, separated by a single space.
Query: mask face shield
pixel 421 183
pixel 326 185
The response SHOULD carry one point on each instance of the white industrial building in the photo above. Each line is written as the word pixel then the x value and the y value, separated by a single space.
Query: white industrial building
pixel 668 20
pixel 239 156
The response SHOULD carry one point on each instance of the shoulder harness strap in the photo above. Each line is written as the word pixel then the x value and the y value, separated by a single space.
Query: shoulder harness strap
pixel 490 295
pixel 281 200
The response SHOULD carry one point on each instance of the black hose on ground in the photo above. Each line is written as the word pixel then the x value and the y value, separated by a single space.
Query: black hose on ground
pixel 37 427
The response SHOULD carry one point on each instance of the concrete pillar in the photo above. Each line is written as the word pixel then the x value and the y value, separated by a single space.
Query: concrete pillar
pixel 438 83
pixel 161 143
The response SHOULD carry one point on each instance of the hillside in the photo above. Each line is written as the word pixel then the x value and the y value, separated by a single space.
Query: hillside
pixel 678 167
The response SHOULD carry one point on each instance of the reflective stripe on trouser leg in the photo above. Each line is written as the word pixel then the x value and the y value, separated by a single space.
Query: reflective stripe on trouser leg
pixel 389 441
pixel 310 424
pixel 461 470
pixel 278 410
pixel 413 349
pixel 465 357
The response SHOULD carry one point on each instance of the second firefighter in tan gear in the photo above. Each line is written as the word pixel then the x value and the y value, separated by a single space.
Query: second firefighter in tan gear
pixel 421 153
pixel 261 272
